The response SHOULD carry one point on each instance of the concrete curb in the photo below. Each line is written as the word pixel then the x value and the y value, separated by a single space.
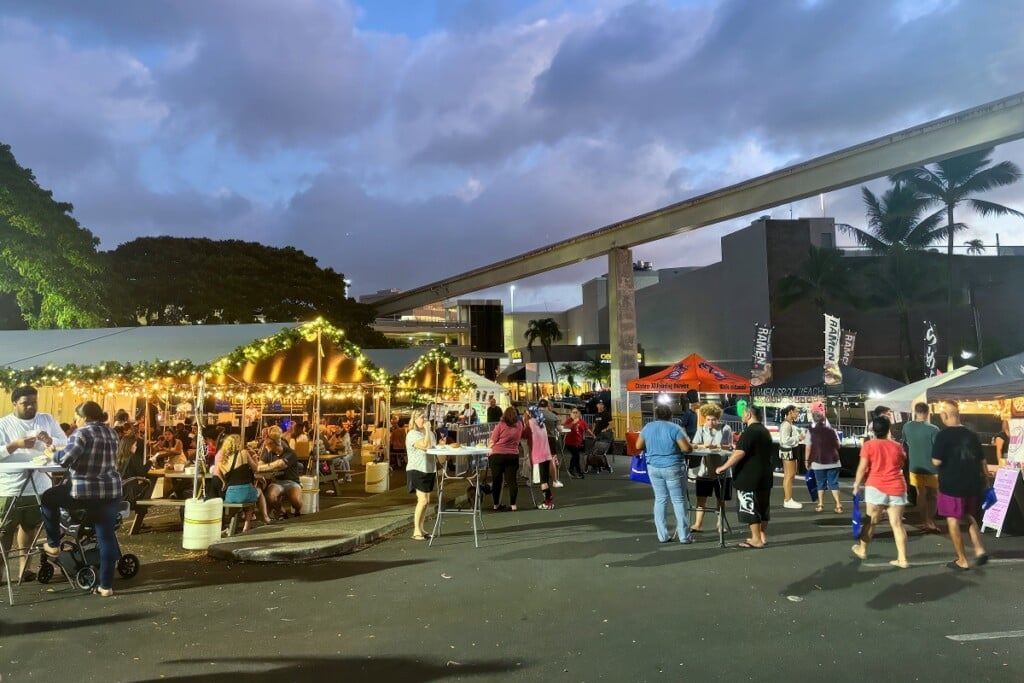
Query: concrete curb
pixel 259 550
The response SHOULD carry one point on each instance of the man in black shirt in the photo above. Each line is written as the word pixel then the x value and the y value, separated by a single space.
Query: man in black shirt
pixel 963 479
pixel 278 457
pixel 494 411
pixel 602 421
pixel 752 477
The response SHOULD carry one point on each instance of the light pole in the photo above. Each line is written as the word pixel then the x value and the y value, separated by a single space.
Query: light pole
pixel 511 298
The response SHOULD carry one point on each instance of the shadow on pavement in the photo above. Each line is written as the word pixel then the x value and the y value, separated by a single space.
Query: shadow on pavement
pixel 920 590
pixel 33 627
pixel 186 574
pixel 836 576
pixel 375 669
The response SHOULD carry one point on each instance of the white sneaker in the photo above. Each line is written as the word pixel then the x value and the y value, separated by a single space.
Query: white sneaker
pixel 557 485
pixel 792 504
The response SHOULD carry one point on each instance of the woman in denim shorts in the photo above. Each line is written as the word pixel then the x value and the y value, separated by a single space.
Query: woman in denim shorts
pixel 881 462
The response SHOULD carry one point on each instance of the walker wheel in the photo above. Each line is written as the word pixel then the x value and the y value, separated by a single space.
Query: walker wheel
pixel 128 566
pixel 86 578
pixel 45 573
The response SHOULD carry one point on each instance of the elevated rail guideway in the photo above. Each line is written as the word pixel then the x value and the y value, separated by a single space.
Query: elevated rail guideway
pixel 987 125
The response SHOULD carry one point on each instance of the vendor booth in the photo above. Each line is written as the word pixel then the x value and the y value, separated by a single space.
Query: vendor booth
pixel 692 373
pixel 902 400
pixel 841 402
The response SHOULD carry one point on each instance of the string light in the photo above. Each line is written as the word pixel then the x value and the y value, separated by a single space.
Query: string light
pixel 176 378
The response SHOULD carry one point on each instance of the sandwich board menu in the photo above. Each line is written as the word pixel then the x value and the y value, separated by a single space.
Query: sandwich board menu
pixel 1007 489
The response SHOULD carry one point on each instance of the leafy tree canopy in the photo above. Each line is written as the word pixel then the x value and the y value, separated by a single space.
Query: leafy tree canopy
pixel 48 261
pixel 187 280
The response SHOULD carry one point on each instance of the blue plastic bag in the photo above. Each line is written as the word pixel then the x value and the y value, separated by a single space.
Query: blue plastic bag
pixel 812 485
pixel 638 469
pixel 856 517
pixel 990 499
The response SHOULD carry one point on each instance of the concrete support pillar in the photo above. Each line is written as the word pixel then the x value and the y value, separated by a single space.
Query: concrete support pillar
pixel 622 335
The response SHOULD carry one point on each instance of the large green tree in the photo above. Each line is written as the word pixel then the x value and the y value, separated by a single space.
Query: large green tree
pixel 570 371
pixel 952 183
pixel 547 332
pixel 186 280
pixel 48 261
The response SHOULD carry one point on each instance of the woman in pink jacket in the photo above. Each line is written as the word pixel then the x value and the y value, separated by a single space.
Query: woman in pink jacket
pixel 540 453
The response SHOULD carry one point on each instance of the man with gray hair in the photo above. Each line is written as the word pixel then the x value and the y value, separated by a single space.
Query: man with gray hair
pixel 963 479
pixel 24 434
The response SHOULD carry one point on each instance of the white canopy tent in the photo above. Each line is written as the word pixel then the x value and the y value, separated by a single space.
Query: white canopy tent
pixel 903 399
pixel 485 388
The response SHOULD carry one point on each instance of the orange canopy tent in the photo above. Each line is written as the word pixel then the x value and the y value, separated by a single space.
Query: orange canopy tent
pixel 692 372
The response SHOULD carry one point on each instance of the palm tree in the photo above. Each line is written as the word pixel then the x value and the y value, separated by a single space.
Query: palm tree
pixel 955 181
pixel 823 277
pixel 570 371
pixel 545 331
pixel 597 373
pixel 975 247
pixel 897 236
pixel 893 220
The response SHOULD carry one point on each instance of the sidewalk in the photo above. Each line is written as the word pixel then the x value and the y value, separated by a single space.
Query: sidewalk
pixel 334 531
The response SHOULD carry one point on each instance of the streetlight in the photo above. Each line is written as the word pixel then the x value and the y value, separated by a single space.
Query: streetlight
pixel 511 298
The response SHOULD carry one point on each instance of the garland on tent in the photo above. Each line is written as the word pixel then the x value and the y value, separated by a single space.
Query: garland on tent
pixel 288 337
pixel 109 376
pixel 404 382
pixel 159 375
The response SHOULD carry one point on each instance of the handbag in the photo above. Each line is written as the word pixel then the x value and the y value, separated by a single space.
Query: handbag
pixel 990 499
pixel 638 469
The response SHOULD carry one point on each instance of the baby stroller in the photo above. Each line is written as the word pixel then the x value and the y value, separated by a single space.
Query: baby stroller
pixel 79 557
pixel 597 458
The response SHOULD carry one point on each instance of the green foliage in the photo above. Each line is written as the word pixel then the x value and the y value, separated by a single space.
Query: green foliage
pixel 597 372
pixel 570 371
pixel 47 260
pixel 547 332
pixel 186 280
pixel 823 277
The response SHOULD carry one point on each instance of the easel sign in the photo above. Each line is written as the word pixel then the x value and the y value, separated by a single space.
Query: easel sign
pixel 1006 488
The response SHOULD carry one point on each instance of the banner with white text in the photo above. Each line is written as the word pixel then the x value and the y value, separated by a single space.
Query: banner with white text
pixel 761 365
pixel 931 341
pixel 833 333
pixel 846 347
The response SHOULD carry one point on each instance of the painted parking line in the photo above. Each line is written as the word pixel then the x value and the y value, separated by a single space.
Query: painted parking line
pixel 995 635
pixel 937 563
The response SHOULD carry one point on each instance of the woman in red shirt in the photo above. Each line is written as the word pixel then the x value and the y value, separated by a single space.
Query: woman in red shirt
pixel 881 461
pixel 578 430
pixel 504 457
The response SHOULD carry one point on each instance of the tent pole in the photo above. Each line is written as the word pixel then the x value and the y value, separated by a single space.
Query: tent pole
pixel 316 404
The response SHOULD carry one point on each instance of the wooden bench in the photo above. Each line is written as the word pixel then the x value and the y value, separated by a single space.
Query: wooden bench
pixel 143 506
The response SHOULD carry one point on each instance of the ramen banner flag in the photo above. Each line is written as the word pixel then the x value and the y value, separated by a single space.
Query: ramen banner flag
pixel 931 340
pixel 846 347
pixel 833 333
pixel 761 365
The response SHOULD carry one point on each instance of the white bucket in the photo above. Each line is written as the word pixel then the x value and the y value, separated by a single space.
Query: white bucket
pixel 310 495
pixel 377 474
pixel 202 523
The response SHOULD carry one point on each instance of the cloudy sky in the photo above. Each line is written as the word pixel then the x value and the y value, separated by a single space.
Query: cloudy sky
pixel 402 141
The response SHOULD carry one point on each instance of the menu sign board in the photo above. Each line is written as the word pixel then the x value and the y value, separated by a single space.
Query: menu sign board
pixel 1006 489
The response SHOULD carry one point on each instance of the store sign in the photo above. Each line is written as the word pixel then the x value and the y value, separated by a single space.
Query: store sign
pixel 515 356
pixel 607 358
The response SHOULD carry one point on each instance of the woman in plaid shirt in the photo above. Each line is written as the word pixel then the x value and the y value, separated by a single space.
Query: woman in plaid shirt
pixel 95 485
